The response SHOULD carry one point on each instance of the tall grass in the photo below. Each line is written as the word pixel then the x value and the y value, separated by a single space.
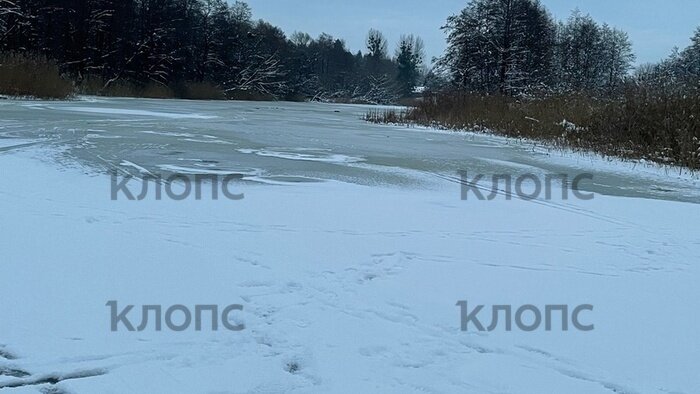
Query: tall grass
pixel 643 124
pixel 390 116
pixel 29 75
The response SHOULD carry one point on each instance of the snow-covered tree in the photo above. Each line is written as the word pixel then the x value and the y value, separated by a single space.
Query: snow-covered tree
pixel 617 58
pixel 499 46
pixel 241 12
pixel 690 58
pixel 212 34
pixel 591 58
pixel 10 16
pixel 138 43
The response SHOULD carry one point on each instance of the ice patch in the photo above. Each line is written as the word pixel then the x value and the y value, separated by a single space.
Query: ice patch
pixel 12 142
pixel 126 163
pixel 208 141
pixel 319 157
pixel 282 180
pixel 103 137
pixel 166 133
pixel 34 106
pixel 201 171
pixel 134 112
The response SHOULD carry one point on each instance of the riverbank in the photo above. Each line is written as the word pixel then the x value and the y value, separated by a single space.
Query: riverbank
pixel 641 125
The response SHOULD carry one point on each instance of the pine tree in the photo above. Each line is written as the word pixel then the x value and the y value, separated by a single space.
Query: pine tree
pixel 409 59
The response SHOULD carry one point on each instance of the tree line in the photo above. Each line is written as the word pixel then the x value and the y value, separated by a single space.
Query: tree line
pixel 173 43
pixel 506 47
pixel 515 46
pixel 679 73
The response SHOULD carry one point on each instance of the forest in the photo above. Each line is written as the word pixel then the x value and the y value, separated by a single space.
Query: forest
pixel 509 67
pixel 193 49
pixel 508 47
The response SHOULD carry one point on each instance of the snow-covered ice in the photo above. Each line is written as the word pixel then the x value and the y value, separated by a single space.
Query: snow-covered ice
pixel 348 253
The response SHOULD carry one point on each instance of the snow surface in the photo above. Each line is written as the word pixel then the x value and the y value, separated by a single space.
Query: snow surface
pixel 348 254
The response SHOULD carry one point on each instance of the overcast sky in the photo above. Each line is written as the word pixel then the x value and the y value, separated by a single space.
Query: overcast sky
pixel 655 26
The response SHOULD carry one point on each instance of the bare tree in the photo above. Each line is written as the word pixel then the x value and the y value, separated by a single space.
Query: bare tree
pixel 213 14
pixel 241 12
pixel 300 39
pixel 616 60
pixel 10 16
pixel 264 75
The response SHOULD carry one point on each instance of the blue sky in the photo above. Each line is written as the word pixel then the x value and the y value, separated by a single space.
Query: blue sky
pixel 655 26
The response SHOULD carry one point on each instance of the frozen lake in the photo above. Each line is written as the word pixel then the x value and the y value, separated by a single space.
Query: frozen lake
pixel 296 142
pixel 348 255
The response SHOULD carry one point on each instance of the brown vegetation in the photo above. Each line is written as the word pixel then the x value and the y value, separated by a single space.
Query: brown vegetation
pixel 25 75
pixel 642 124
